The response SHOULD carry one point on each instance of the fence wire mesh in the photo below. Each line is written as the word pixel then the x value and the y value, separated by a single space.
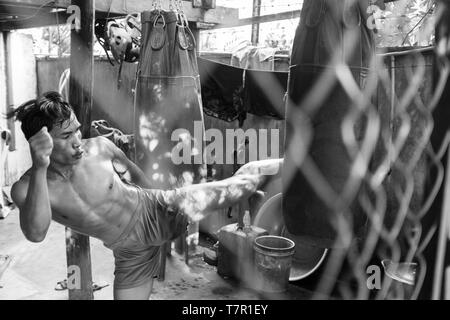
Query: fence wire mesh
pixel 395 173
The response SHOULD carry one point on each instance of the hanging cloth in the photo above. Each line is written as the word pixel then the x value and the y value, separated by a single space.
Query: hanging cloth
pixel 226 97
pixel 264 93
pixel 222 90
pixel 168 100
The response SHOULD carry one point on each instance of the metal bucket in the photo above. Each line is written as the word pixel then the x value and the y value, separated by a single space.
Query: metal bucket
pixel 307 258
pixel 273 260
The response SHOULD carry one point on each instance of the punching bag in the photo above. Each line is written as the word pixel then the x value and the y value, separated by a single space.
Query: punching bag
pixel 169 123
pixel 321 37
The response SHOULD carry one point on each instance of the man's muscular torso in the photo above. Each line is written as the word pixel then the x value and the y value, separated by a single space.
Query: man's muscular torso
pixel 94 200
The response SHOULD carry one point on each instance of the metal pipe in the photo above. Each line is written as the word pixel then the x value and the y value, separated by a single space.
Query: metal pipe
pixel 392 111
pixel 406 52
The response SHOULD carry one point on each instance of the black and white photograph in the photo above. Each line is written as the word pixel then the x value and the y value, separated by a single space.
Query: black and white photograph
pixel 225 155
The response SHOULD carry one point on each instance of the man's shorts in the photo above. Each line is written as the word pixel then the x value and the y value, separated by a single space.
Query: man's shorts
pixel 137 251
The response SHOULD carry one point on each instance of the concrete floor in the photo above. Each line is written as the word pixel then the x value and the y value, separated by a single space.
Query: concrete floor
pixel 35 270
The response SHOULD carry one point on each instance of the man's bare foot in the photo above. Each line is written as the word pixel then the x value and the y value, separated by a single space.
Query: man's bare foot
pixel 4 263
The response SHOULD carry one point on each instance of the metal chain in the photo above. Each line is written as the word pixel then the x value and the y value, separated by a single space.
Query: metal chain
pixel 180 7
pixel 179 10
pixel 177 6
pixel 181 14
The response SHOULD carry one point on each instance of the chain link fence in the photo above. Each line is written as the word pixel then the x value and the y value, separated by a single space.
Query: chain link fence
pixel 395 174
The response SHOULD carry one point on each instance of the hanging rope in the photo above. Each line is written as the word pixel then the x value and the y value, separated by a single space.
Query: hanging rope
pixel 109 9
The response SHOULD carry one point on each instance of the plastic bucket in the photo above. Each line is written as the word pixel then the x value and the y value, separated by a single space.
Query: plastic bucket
pixel 273 260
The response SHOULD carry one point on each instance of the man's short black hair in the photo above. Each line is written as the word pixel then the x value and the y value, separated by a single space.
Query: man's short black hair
pixel 46 111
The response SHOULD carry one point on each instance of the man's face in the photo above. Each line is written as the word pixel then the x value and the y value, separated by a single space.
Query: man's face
pixel 67 144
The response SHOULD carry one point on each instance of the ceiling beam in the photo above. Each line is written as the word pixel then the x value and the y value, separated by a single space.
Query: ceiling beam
pixel 41 20
pixel 219 15
pixel 260 19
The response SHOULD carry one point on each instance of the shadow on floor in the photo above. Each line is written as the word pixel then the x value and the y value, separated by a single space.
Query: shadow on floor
pixel 35 270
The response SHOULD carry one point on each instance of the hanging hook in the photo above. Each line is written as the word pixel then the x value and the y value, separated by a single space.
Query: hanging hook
pixel 157 19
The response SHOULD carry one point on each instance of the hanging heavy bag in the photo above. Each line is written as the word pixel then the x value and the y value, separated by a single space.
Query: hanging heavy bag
pixel 319 37
pixel 168 114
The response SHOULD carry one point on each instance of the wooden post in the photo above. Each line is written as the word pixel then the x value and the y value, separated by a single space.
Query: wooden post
pixel 80 97
pixel 255 26
pixel 9 87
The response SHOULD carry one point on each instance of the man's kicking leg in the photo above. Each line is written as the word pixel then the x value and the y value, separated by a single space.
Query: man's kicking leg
pixel 141 292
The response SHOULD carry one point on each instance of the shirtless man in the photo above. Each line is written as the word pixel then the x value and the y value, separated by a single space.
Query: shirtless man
pixel 77 183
